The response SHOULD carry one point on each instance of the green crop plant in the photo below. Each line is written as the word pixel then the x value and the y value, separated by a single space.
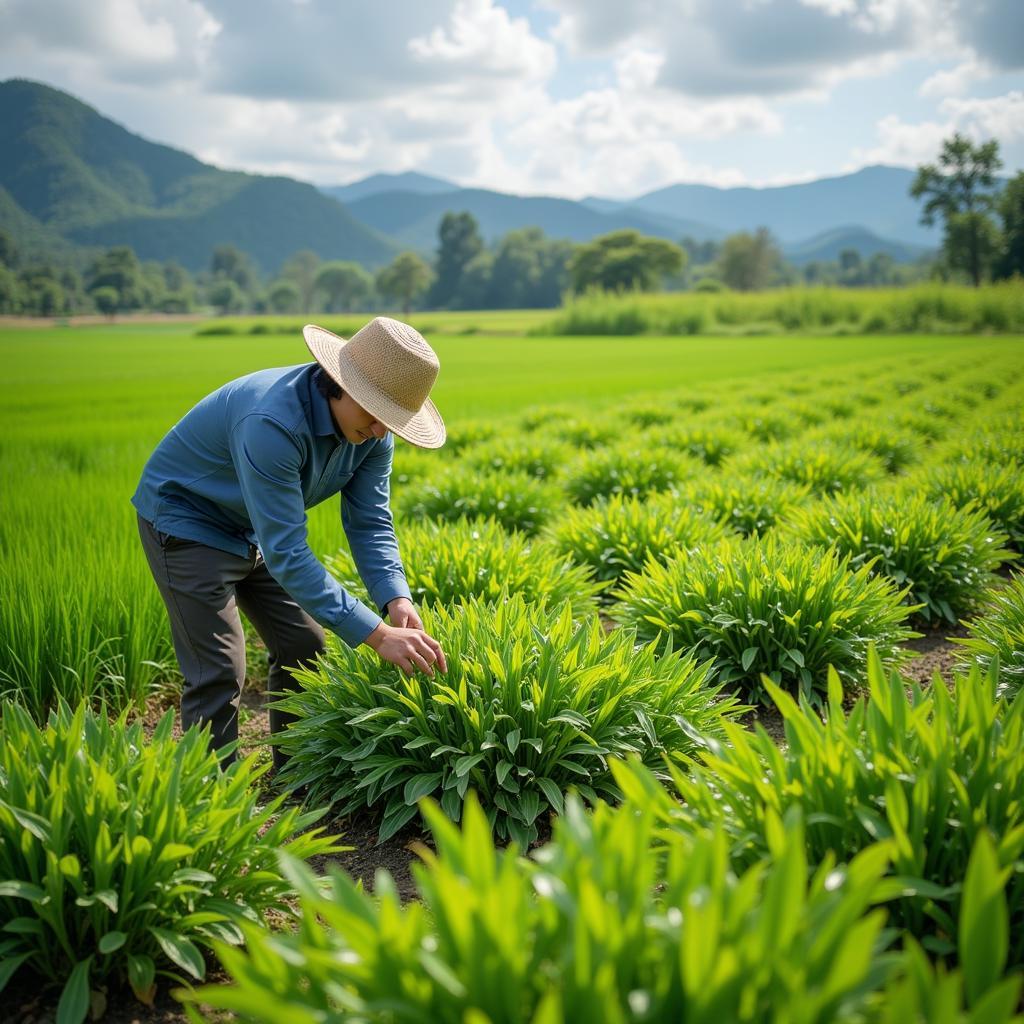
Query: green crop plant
pixel 120 858
pixel 516 500
pixel 710 442
pixel 592 929
pixel 996 637
pixel 929 770
pixel 583 432
pixel 534 455
pixel 898 448
pixel 450 562
pixel 647 414
pixel 467 434
pixel 626 469
pixel 998 490
pixel 826 468
pixel 619 533
pixel 745 504
pixel 770 608
pixel 766 424
pixel 946 556
pixel 532 703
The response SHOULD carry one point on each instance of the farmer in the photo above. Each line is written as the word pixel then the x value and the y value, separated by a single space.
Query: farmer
pixel 222 515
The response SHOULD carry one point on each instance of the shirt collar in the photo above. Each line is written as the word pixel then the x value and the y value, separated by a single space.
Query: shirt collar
pixel 323 421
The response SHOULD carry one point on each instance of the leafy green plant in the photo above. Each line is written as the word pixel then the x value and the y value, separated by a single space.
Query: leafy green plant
pixel 451 562
pixel 516 500
pixel 931 770
pixel 897 447
pixel 626 469
pixel 465 434
pixel 999 490
pixel 584 432
pixel 120 859
pixel 825 468
pixel 996 637
pixel 531 704
pixel 593 929
pixel 945 555
pixel 620 533
pixel 743 503
pixel 709 442
pixel 537 456
pixel 772 608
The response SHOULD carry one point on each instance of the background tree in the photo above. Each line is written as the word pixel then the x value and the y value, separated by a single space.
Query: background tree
pixel 225 296
pixel 229 263
pixel 105 299
pixel 959 191
pixel 624 260
pixel 748 262
pixel 529 270
pixel 404 280
pixel 302 267
pixel 8 251
pixel 119 268
pixel 283 296
pixel 1010 259
pixel 12 298
pixel 458 242
pixel 343 284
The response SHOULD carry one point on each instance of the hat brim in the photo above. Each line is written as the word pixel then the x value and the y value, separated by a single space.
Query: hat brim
pixel 422 427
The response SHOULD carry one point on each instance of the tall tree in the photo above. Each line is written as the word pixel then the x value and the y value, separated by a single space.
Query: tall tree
pixel 8 251
pixel 959 190
pixel 404 280
pixel 624 260
pixel 1010 259
pixel 119 268
pixel 458 242
pixel 301 267
pixel 747 261
pixel 343 284
pixel 229 263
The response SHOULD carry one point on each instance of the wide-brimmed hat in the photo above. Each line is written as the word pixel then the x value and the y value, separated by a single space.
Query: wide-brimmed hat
pixel 388 368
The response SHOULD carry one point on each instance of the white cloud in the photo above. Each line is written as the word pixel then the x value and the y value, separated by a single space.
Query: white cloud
pixel 953 82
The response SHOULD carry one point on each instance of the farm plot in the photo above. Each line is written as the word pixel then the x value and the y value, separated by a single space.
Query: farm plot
pixel 614 581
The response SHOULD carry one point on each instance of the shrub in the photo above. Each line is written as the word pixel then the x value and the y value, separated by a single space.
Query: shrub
pixel 647 414
pixel 932 770
pixel 627 470
pixel 745 504
pixel 535 456
pixel 767 607
pixel 997 637
pixel 517 501
pixel 768 425
pixel 580 432
pixel 998 490
pixel 592 930
pixel 945 556
pixel 620 533
pixel 531 704
pixel 466 434
pixel 825 468
pixel 120 858
pixel 446 563
pixel 897 447
pixel 710 443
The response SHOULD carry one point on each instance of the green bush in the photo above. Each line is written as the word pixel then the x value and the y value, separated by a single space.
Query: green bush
pixel 627 470
pixel 593 929
pixel 825 468
pixel 996 637
pixel 533 455
pixel 451 562
pixel 767 607
pixel 710 443
pixel 119 858
pixel 745 504
pixel 998 490
pixel 583 432
pixel 516 500
pixel 946 556
pixel 468 433
pixel 531 704
pixel 619 534
pixel 898 448
pixel 932 771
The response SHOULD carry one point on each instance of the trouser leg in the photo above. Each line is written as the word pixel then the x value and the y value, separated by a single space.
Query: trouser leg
pixel 292 637
pixel 197 584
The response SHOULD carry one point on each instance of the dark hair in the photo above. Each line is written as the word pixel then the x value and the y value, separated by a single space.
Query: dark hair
pixel 326 384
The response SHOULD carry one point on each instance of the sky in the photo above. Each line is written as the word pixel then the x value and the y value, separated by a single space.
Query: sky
pixel 543 97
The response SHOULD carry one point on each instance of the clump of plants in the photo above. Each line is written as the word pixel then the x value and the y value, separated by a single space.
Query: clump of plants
pixel 710 443
pixel 532 703
pixel 450 562
pixel 897 447
pixel 996 637
pixel 466 434
pixel 627 470
pixel 933 770
pixel 945 556
pixel 768 608
pixel 620 533
pixel 745 504
pixel 122 859
pixel 584 432
pixel 998 490
pixel 534 455
pixel 825 468
pixel 516 500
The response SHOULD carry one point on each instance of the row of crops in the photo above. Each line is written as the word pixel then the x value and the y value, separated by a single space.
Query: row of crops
pixel 613 591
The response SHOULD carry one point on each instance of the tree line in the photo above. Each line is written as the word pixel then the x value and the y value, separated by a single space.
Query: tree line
pixel 983 238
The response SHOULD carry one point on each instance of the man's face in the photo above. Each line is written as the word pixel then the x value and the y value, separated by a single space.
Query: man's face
pixel 356 423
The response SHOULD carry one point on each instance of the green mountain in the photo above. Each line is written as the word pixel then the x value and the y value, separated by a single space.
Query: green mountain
pixel 407 181
pixel 827 245
pixel 69 176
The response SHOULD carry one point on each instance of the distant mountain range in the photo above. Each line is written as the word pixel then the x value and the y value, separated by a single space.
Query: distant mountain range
pixel 72 179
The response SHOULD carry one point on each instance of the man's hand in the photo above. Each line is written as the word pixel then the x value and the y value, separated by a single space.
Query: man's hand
pixel 409 649
pixel 402 612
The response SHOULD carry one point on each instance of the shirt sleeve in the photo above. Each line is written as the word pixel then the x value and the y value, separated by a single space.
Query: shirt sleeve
pixel 366 517
pixel 267 459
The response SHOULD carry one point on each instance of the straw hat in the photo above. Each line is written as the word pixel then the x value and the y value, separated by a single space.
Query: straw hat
pixel 388 368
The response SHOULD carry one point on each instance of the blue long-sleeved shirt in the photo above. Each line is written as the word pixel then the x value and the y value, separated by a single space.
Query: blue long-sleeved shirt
pixel 245 463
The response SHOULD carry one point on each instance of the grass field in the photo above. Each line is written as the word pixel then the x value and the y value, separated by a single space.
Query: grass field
pixel 83 407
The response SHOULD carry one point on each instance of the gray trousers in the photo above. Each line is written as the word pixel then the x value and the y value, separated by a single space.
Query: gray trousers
pixel 203 589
